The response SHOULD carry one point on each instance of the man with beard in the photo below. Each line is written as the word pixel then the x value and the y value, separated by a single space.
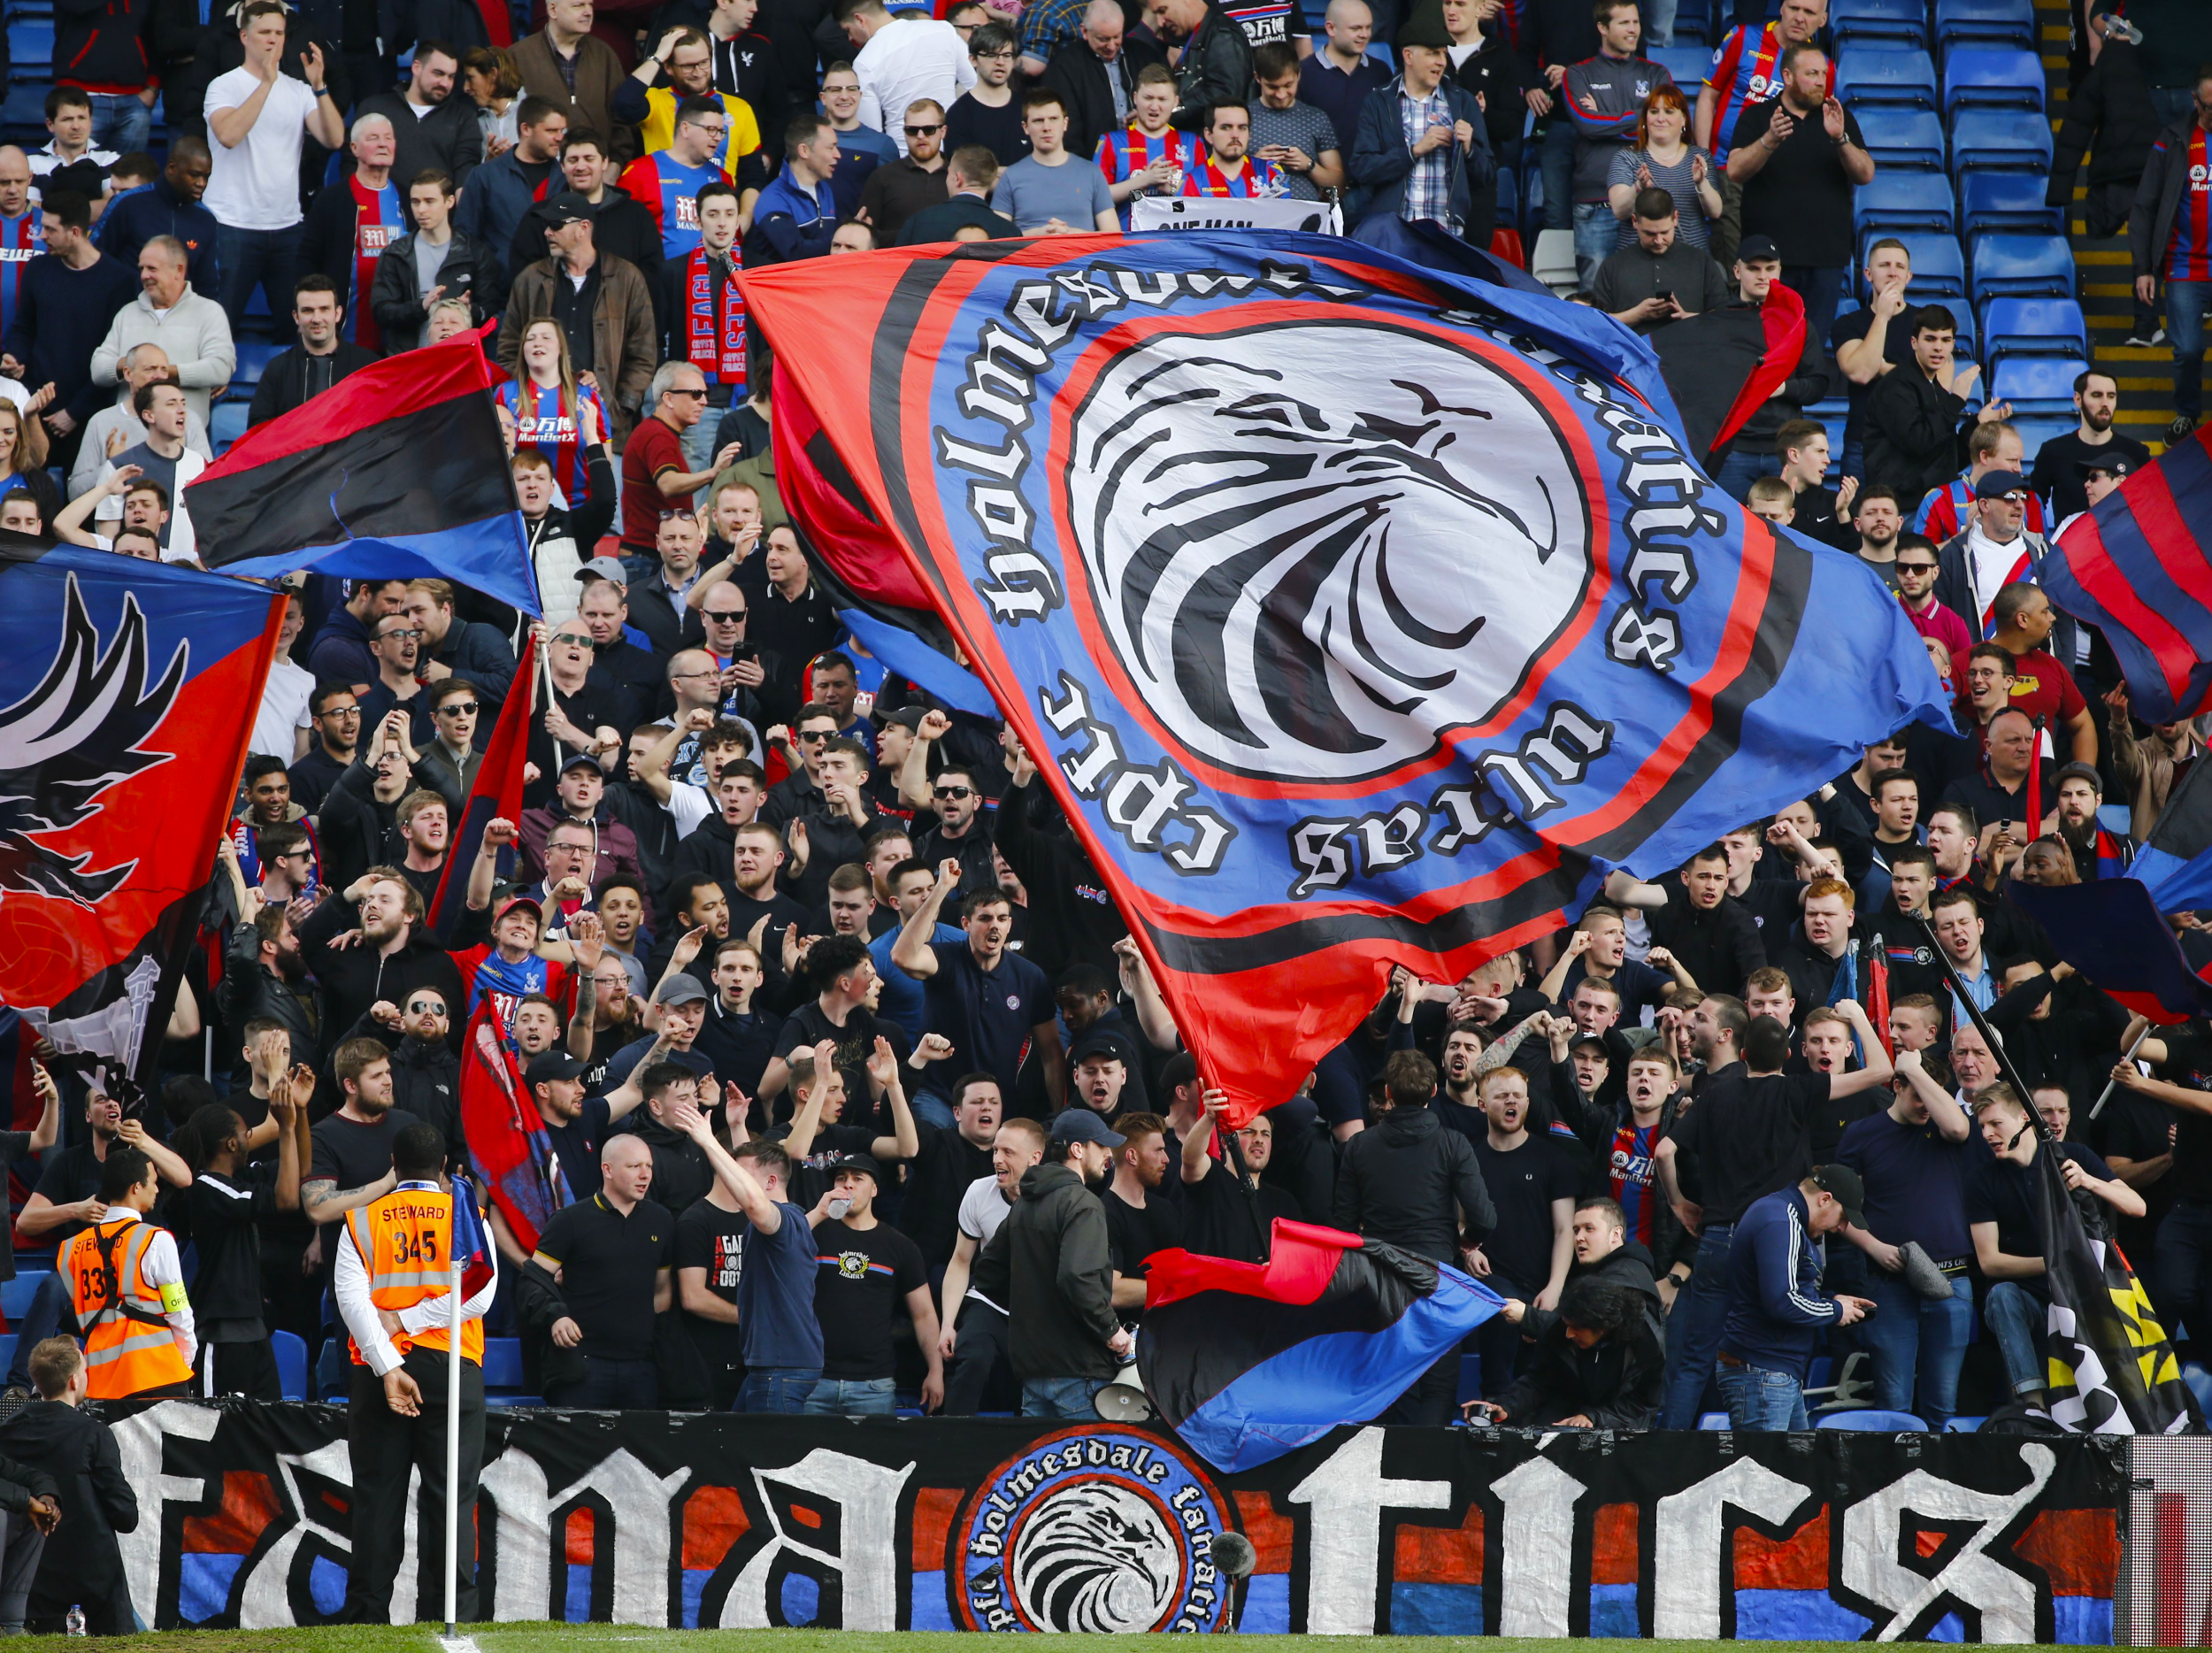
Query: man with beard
pixel 352 1162
pixel 575 1124
pixel 1916 563
pixel 2057 474
pixel 2148 769
pixel 391 959
pixel 426 1072
pixel 1066 1343
pixel 264 977
pixel 1140 1220
pixel 1876 521
pixel 683 1011
pixel 2097 853
pixel 1459 1098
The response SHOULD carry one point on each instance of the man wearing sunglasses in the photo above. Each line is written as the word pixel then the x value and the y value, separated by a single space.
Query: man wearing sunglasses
pixel 963 832
pixel 586 714
pixel 448 763
pixel 1916 564
pixel 893 193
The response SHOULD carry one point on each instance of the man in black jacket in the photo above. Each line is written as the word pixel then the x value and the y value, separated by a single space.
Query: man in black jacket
pixel 392 957
pixel 1066 1343
pixel 969 176
pixel 619 225
pixel 2109 119
pixel 1915 416
pixel 1414 1184
pixel 54 1448
pixel 1597 1365
pixel 265 977
pixel 1216 66
pixel 1084 71
pixel 436 131
pixel 1706 930
pixel 466 270
pixel 320 360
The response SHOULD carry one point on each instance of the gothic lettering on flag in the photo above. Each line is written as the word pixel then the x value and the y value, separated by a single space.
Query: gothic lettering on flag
pixel 1357 614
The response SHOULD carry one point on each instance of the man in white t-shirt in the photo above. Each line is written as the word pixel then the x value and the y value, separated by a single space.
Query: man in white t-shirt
pixel 256 117
pixel 902 61
pixel 282 727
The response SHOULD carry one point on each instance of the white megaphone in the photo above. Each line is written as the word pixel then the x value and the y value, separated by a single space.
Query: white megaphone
pixel 1124 1400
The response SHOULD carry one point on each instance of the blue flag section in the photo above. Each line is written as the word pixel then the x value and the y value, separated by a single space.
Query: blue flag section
pixel 1357 614
pixel 127 695
pixel 1247 1361
pixel 399 471
pixel 2112 933
pixel 2174 863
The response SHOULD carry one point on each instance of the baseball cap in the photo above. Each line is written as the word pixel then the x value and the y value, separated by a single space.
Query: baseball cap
pixel 1081 1125
pixel 1758 250
pixel 1997 484
pixel 907 717
pixel 2111 464
pixel 1844 1183
pixel 579 759
pixel 605 568
pixel 860 1164
pixel 513 902
pixel 570 207
pixel 1107 1043
pixel 680 988
pixel 548 1065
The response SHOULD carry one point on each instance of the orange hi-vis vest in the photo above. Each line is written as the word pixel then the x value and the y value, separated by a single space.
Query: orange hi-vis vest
pixel 129 1344
pixel 405 1242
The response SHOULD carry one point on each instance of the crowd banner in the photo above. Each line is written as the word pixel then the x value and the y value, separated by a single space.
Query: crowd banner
pixel 1315 218
pixel 738 1522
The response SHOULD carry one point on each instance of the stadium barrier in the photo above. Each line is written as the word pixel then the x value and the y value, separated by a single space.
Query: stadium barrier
pixel 677 1520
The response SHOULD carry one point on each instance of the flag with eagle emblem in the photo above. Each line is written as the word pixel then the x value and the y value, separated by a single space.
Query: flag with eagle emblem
pixel 127 696
pixel 1355 614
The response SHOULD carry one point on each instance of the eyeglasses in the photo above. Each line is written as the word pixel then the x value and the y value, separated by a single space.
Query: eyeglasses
pixel 458 708
pixel 994 57
pixel 724 616
pixel 923 132
pixel 392 636
pixel 425 1007
pixel 571 640
pixel 341 711
pixel 952 792
pixel 681 676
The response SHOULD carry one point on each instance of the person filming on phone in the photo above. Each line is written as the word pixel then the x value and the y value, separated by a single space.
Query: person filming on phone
pixel 1662 278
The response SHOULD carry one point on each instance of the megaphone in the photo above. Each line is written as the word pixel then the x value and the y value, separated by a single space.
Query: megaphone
pixel 1124 1400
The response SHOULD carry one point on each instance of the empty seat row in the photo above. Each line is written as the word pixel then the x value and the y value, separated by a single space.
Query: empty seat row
pixel 1957 23
pixel 1978 140
pixel 1871 78
pixel 1983 203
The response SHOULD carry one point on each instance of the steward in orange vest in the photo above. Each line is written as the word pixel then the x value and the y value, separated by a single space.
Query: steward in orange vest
pixel 392 1277
pixel 126 1287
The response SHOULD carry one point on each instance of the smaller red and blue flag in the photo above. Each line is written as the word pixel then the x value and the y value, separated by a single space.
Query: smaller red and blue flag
pixel 472 1242
pixel 497 794
pixel 2113 932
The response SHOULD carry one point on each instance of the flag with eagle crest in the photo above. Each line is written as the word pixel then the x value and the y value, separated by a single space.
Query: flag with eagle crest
pixel 127 696
pixel 1355 614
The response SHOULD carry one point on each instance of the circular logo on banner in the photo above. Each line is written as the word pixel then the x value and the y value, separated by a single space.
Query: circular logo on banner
pixel 1097 1529
pixel 1312 548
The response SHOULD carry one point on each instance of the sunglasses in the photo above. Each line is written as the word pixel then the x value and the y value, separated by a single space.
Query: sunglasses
pixel 724 616
pixel 571 640
pixel 457 708
pixel 952 792
pixel 425 1007
pixel 684 390
pixel 815 734
pixel 923 132
pixel 1916 568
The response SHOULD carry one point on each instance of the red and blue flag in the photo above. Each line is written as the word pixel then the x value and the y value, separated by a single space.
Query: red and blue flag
pixel 496 795
pixel 397 472
pixel 127 694
pixel 2112 931
pixel 1357 614
pixel 1247 1361
pixel 508 1143
pixel 2135 567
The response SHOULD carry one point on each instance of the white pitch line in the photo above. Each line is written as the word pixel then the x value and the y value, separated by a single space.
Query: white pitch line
pixel 458 1644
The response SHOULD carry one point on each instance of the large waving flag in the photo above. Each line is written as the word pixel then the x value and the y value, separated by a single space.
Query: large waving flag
pixel 127 694
pixel 1247 1361
pixel 2136 568
pixel 2112 933
pixel 1357 614
pixel 497 794
pixel 398 472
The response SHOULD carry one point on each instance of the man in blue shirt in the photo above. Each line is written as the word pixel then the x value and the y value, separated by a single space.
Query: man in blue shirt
pixel 775 1292
pixel 1774 1301
pixel 796 215
pixel 1914 1158
pixel 996 1006
pixel 902 998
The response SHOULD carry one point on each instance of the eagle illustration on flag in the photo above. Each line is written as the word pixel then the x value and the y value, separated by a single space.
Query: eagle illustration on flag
pixel 1357 614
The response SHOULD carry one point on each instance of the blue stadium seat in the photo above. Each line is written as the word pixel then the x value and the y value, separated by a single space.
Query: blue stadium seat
pixel 502 1363
pixel 2000 141
pixel 290 1349
pixel 1687 65
pixel 226 425
pixel 2023 266
pixel 1904 22
pixel 1964 1425
pixel 1910 138
pixel 24 113
pixel 2034 327
pixel 254 357
pixel 1874 1418
pixel 2009 202
pixel 1712 1421
pixel 1991 77
pixel 1905 201
pixel 2036 384
pixel 1868 77
pixel 2037 428
pixel 1470 1377
pixel 16 1294
pixel 31 51
pixel 1939 268
pixel 1985 23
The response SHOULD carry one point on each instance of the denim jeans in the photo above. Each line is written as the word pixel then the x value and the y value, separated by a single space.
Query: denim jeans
pixel 1659 22
pixel 1820 287
pixel 1701 1309
pixel 853 1397
pixel 1915 1334
pixel 1061 1397
pixel 1760 1399
pixel 1597 233
pixel 245 258
pixel 1741 468
pixel 778 1388
pixel 120 122
pixel 2184 331
pixel 2181 1269
pixel 2017 1319
pixel 1556 159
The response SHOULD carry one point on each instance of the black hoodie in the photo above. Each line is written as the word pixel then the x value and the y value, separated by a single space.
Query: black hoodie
pixel 1061 1290
pixel 1628 1266
pixel 1406 1180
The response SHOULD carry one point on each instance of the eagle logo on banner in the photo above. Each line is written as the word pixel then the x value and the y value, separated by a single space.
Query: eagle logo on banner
pixel 1355 614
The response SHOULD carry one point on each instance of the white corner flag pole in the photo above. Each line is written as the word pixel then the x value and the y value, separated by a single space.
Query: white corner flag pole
pixel 453 1429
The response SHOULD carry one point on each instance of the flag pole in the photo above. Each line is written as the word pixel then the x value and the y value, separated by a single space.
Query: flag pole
pixel 453 1410
pixel 2105 1095
pixel 1989 1035
pixel 545 677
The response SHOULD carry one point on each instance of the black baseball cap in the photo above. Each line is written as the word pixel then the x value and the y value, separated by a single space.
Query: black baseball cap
pixel 548 1065
pixel 1081 1125
pixel 1850 1192
pixel 1997 484
pixel 570 207
pixel 859 1164
pixel 1758 250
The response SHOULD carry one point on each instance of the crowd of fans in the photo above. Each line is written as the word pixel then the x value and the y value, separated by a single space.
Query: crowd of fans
pixel 856 1088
